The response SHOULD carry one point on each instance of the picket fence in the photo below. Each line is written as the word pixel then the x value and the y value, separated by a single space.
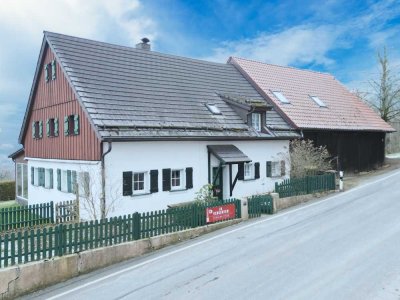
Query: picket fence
pixel 259 204
pixel 26 216
pixel 62 239
pixel 306 185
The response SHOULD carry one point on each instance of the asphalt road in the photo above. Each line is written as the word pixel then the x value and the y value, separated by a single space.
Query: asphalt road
pixel 346 246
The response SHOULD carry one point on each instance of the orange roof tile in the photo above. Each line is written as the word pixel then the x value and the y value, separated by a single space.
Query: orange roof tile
pixel 343 111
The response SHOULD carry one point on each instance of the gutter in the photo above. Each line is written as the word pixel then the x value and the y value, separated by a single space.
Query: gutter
pixel 103 181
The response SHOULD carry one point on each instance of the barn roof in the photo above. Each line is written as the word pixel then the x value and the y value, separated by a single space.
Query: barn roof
pixel 129 92
pixel 335 109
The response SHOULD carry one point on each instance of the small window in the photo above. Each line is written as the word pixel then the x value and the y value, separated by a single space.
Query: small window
pixel 36 177
pixel 48 183
pixel 64 180
pixel 139 182
pixel 52 127
pixel 176 179
pixel 37 130
pixel 281 97
pixel 248 171
pixel 213 108
pixel 318 101
pixel 256 121
pixel 71 125
pixel 276 169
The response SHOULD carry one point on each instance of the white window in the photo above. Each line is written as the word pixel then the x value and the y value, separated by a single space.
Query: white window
pixel 276 169
pixel 256 121
pixel 48 184
pixel 177 179
pixel 22 180
pixel 213 108
pixel 281 97
pixel 64 181
pixel 318 101
pixel 248 171
pixel 140 182
pixel 36 176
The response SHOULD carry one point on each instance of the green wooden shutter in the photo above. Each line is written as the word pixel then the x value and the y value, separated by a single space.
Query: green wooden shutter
pixel 269 169
pixel 33 130
pixel 241 171
pixel 153 181
pixel 48 127
pixel 69 183
pixel 32 175
pixel 66 125
pixel 76 124
pixel 40 129
pixel 256 170
pixel 53 69
pixel 40 177
pixel 166 174
pixel 189 178
pixel 74 182
pixel 51 178
pixel 283 168
pixel 46 72
pixel 59 179
pixel 127 183
pixel 55 126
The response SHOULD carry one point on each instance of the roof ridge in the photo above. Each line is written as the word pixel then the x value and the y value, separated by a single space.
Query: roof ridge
pixel 280 66
pixel 151 52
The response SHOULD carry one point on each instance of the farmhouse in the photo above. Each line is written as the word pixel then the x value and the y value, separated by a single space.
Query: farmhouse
pixel 142 130
pixel 323 110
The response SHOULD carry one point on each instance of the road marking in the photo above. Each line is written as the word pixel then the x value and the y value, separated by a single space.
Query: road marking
pixel 216 237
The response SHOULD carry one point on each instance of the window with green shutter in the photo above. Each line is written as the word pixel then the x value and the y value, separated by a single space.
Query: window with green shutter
pixel 40 129
pixel 269 168
pixel 46 72
pixel 166 174
pixel 256 170
pixel 127 183
pixel 55 126
pixel 76 124
pixel 32 175
pixel 66 125
pixel 69 181
pixel 53 69
pixel 59 179
pixel 33 130
pixel 48 127
pixel 189 178
pixel 74 182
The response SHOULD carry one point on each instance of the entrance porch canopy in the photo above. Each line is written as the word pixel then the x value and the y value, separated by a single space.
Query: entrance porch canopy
pixel 228 154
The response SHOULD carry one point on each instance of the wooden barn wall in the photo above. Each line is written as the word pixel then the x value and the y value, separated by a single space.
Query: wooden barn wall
pixel 56 99
pixel 357 151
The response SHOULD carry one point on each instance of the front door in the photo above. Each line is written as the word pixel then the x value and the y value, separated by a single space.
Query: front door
pixel 217 182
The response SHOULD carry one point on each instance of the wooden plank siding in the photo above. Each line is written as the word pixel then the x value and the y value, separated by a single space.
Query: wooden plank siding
pixel 56 99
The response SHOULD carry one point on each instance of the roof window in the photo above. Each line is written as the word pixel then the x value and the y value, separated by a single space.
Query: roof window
pixel 213 108
pixel 318 101
pixel 281 97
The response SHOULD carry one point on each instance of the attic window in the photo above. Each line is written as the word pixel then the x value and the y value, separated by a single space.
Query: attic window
pixel 213 108
pixel 281 97
pixel 318 101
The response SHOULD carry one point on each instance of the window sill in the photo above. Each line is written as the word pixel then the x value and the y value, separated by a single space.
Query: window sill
pixel 249 179
pixel 178 190
pixel 140 194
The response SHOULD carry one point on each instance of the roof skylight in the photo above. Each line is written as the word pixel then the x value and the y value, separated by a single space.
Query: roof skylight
pixel 281 97
pixel 213 108
pixel 318 101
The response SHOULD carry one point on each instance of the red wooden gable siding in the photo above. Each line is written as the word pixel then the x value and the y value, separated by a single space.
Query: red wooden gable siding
pixel 56 99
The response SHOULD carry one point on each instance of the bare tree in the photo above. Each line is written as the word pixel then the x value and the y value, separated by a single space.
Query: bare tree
pixel 385 94
pixel 306 159
pixel 88 190
pixel 5 174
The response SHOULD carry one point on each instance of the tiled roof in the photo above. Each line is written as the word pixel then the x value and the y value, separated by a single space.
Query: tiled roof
pixel 131 92
pixel 343 111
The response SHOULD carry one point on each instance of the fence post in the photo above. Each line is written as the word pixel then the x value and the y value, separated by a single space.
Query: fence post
pixel 136 226
pixel 52 211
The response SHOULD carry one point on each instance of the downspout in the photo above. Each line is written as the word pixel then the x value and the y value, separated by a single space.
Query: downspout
pixel 103 182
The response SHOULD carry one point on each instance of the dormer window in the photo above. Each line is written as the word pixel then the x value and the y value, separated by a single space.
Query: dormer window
pixel 318 101
pixel 213 108
pixel 280 97
pixel 256 121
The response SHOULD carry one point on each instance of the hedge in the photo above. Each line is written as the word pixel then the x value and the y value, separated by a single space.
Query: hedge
pixel 7 190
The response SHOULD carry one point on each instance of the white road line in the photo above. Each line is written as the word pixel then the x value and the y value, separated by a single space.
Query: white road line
pixel 216 237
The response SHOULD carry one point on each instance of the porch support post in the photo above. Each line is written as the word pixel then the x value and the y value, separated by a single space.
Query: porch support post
pixel 230 180
pixel 209 166
pixel 235 180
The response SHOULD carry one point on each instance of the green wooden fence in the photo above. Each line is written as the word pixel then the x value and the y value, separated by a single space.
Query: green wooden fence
pixel 62 239
pixel 259 204
pixel 306 185
pixel 26 216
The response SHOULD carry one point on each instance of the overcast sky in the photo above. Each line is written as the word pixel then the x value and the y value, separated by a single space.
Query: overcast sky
pixel 341 37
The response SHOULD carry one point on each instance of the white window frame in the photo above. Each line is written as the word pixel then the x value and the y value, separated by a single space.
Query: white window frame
pixel 64 181
pixel 146 185
pixel 317 100
pixel 256 121
pixel 281 97
pixel 182 179
pixel 36 176
pixel 47 178
pixel 276 170
pixel 248 171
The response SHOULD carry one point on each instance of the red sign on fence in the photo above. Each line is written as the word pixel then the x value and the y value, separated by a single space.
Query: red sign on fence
pixel 220 213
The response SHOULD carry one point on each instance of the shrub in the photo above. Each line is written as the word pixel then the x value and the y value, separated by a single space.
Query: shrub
pixel 7 190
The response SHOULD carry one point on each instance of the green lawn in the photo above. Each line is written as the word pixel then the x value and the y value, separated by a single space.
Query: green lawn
pixel 6 204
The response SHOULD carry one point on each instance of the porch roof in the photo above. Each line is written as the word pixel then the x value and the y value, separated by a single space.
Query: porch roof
pixel 228 154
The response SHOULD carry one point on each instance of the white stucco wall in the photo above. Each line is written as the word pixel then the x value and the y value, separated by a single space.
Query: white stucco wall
pixel 146 156
pixel 38 194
